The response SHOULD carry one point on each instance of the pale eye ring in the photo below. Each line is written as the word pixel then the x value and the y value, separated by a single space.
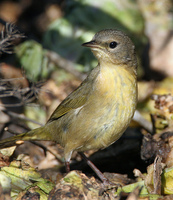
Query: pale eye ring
pixel 113 44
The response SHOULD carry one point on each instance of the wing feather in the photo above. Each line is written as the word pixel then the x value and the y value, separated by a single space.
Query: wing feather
pixel 77 98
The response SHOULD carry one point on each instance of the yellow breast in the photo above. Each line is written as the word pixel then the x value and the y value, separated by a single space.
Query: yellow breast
pixel 112 106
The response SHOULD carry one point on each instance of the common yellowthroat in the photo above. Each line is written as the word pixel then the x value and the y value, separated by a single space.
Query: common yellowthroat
pixel 98 112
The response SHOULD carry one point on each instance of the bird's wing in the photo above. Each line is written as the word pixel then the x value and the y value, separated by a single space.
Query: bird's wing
pixel 75 100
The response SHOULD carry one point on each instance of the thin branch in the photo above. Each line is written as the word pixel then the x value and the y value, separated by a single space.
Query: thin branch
pixel 11 79
pixel 8 36
pixel 20 116
pixel 143 122
pixel 65 64
pixel 24 95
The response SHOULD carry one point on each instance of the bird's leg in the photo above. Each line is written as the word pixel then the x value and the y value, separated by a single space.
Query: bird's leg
pixel 67 166
pixel 96 170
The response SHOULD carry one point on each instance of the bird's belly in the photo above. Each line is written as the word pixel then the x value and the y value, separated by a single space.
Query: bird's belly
pixel 109 118
pixel 108 128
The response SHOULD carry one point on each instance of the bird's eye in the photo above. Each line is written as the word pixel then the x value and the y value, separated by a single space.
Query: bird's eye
pixel 113 44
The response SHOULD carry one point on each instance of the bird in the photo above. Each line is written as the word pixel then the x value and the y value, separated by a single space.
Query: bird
pixel 97 113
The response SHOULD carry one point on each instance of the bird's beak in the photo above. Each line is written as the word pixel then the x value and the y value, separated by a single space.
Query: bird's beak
pixel 91 44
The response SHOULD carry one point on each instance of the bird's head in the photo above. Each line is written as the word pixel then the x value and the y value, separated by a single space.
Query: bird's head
pixel 113 46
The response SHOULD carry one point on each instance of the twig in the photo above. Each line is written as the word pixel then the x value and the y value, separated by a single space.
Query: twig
pixel 9 35
pixel 153 123
pixel 11 79
pixel 143 122
pixel 19 116
pixel 25 95
pixel 157 175
pixel 64 64
pixel 47 149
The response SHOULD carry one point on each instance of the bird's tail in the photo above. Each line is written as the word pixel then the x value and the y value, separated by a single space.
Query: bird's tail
pixel 33 135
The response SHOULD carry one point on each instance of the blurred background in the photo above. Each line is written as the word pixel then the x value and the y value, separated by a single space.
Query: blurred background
pixel 49 62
